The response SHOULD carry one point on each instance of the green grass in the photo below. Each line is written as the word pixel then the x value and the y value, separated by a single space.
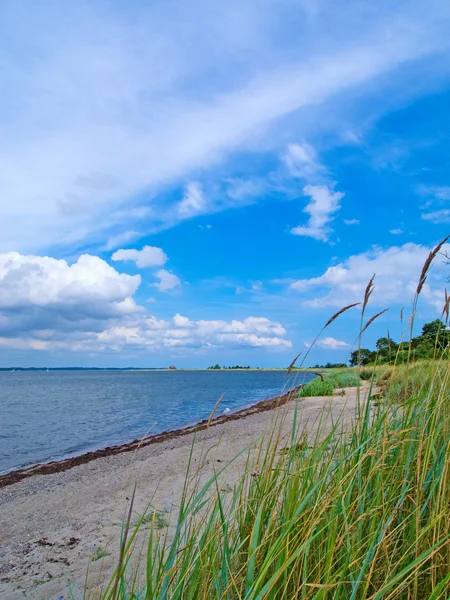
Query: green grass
pixel 359 514
pixel 99 553
pixel 317 387
pixel 349 517
pixel 331 381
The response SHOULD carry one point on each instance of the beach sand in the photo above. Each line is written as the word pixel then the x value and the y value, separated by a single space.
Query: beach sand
pixel 53 526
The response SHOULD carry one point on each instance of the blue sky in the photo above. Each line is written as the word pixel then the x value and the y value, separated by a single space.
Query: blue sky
pixel 200 182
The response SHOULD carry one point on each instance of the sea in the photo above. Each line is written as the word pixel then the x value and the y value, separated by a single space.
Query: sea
pixel 51 415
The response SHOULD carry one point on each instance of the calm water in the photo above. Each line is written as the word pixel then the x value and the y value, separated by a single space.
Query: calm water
pixel 53 414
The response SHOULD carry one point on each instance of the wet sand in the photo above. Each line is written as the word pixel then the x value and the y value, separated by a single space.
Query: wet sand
pixel 57 519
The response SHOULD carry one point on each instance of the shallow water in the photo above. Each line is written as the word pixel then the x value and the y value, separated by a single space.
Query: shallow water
pixel 54 414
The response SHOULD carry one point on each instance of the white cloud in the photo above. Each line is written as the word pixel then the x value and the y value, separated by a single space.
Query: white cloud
pixel 194 202
pixel 330 343
pixel 322 209
pixel 438 196
pixel 351 221
pixel 40 294
pixel 42 281
pixel 441 192
pixel 149 256
pixel 301 160
pixel 397 272
pixel 181 332
pixel 438 216
pixel 87 306
pixel 397 231
pixel 168 281
pixel 119 239
pixel 244 191
pixel 108 105
pixel 150 333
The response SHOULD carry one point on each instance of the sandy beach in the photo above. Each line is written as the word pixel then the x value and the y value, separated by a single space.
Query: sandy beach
pixel 56 525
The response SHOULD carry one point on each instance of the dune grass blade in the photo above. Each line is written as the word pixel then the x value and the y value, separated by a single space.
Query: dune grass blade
pixel 372 319
pixel 291 366
pixel 342 513
pixel 339 313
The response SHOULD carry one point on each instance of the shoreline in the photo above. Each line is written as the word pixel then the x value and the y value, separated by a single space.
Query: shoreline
pixel 55 525
pixel 58 466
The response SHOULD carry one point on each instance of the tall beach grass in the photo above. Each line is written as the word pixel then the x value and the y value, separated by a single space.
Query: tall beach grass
pixel 347 514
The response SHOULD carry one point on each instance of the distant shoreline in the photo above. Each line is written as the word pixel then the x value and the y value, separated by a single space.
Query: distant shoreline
pixel 58 466
pixel 145 369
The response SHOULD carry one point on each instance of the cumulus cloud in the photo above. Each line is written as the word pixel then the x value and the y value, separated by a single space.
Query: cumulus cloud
pixel 322 209
pixel 181 332
pixel 351 221
pixel 396 231
pixel 41 296
pixel 330 343
pixel 88 306
pixel 149 256
pixel 150 333
pixel 397 272
pixel 167 280
pixel 42 281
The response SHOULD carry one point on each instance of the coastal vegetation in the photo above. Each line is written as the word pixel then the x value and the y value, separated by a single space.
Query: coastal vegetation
pixel 326 385
pixel 218 367
pixel 433 340
pixel 338 514
pixel 363 515
pixel 330 365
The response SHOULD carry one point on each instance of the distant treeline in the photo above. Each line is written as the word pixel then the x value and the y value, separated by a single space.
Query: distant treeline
pixel 434 339
pixel 235 367
pixel 330 365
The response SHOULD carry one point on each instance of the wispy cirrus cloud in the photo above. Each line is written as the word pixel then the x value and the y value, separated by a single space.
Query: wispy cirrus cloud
pixel 193 202
pixel 437 216
pixel 302 161
pixel 437 195
pixel 127 104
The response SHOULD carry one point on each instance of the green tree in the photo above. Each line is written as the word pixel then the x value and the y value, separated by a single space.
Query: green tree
pixel 434 337
pixel 433 329
pixel 362 357
pixel 387 349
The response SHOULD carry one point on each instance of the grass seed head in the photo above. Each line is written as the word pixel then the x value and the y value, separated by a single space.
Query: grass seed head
pixel 291 366
pixel 427 264
pixel 372 319
pixel 339 313
pixel 369 289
